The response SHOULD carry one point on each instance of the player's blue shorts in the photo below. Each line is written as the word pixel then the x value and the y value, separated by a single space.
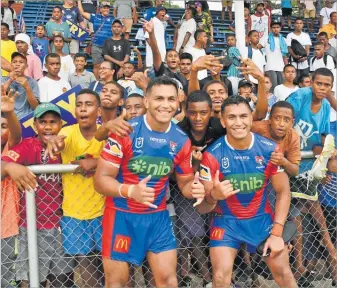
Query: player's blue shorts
pixel 127 237
pixel 231 232
pixel 81 237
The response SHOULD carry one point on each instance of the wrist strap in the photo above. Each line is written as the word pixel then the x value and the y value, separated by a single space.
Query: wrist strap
pixel 123 190
pixel 277 229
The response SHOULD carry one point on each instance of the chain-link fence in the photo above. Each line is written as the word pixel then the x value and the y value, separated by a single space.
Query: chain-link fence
pixel 34 248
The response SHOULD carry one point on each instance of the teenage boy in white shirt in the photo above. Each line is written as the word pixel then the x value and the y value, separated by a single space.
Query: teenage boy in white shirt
pixel 284 90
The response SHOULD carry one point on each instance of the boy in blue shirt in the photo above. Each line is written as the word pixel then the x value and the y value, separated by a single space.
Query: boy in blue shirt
pixel 40 43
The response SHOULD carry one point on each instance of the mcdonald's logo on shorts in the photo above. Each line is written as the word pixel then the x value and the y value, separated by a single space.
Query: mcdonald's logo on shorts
pixel 122 244
pixel 217 233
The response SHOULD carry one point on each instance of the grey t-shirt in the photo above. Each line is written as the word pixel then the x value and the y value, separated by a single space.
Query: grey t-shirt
pixel 124 8
pixel 21 106
pixel 332 52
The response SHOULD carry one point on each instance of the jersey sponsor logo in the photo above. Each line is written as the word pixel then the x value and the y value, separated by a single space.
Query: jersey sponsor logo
pixel 247 183
pixel 225 162
pixel 241 157
pixel 267 142
pixel 217 233
pixel 122 244
pixel 205 173
pixel 13 155
pixel 139 142
pixel 114 148
pixel 173 147
pixel 158 140
pixel 157 167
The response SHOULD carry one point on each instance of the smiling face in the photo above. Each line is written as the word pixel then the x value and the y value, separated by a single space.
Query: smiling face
pixel 161 103
pixel 238 120
pixel 80 63
pixel 280 122
pixel 199 113
pixel 86 110
pixel 105 72
pixel 218 95
pixel 48 125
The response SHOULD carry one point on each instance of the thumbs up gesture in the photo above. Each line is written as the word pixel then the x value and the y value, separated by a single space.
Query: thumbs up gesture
pixel 222 190
pixel 277 157
pixel 119 126
pixel 198 190
pixel 143 194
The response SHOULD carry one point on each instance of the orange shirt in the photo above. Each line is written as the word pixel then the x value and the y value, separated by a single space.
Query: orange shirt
pixel 290 144
pixel 9 206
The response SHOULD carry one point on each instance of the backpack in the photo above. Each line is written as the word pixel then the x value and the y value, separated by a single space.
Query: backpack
pixel 250 52
pixel 325 59
pixel 3 12
pixel 298 49
pixel 226 62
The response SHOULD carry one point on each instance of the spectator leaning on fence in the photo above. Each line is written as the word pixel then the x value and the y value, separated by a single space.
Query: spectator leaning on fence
pixel 53 265
pixel 70 12
pixel 8 46
pixel 29 94
pixel 125 11
pixel 34 65
pixel 10 136
pixel 102 30
pixel 51 86
pixel 82 206
pixel 56 26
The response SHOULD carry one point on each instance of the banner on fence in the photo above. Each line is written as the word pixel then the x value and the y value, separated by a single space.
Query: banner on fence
pixel 66 102
pixel 77 32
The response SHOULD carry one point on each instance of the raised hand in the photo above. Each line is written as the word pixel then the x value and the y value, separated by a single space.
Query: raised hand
pixel 119 126
pixel 209 62
pixel 277 157
pixel 198 190
pixel 7 100
pixel 222 190
pixel 250 68
pixel 143 194
pixel 54 146
pixel 147 25
pixel 140 80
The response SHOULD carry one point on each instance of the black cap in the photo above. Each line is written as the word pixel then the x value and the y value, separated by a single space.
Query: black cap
pixel 117 21
pixel 160 8
pixel 14 54
pixel 245 82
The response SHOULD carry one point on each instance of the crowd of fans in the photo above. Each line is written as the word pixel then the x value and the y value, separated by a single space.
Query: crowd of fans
pixel 291 92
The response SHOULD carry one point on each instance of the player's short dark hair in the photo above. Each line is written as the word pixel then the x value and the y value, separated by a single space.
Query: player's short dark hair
pixel 298 19
pixel 80 55
pixel 197 33
pixel 171 50
pixel 282 104
pixel 322 34
pixel 119 86
pixel 5 24
pixel 209 83
pixel 57 36
pixel 288 65
pixel 130 64
pixel 52 55
pixel 235 100
pixel 162 80
pixel 332 13
pixel 267 76
pixel 91 92
pixel 230 35
pixel 323 72
pixel 40 25
pixel 186 55
pixel 251 32
pixel 110 63
pixel 319 44
pixel 57 7
pixel 301 78
pixel 199 96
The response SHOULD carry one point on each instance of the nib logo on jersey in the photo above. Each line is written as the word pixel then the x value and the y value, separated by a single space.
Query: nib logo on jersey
pixel 157 167
pixel 247 183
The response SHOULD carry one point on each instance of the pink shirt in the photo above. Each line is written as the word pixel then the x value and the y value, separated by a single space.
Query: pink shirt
pixel 34 69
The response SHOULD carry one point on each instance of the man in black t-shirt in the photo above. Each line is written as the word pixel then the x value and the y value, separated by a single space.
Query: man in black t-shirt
pixel 117 49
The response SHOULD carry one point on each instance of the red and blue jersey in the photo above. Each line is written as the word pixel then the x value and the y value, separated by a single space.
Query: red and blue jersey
pixel 248 170
pixel 146 152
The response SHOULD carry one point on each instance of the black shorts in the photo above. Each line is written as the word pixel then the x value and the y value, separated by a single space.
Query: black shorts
pixel 287 11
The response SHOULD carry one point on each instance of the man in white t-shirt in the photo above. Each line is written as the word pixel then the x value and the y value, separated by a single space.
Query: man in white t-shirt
pixel 325 13
pixel 159 33
pixel 198 50
pixel 260 22
pixel 253 52
pixel 284 90
pixel 67 62
pixel 51 86
pixel 276 54
pixel 8 15
pixel 186 32
pixel 300 63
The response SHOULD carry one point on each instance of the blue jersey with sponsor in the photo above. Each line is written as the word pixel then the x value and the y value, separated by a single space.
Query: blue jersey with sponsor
pixel 102 28
pixel 146 152
pixel 248 170
pixel 310 126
